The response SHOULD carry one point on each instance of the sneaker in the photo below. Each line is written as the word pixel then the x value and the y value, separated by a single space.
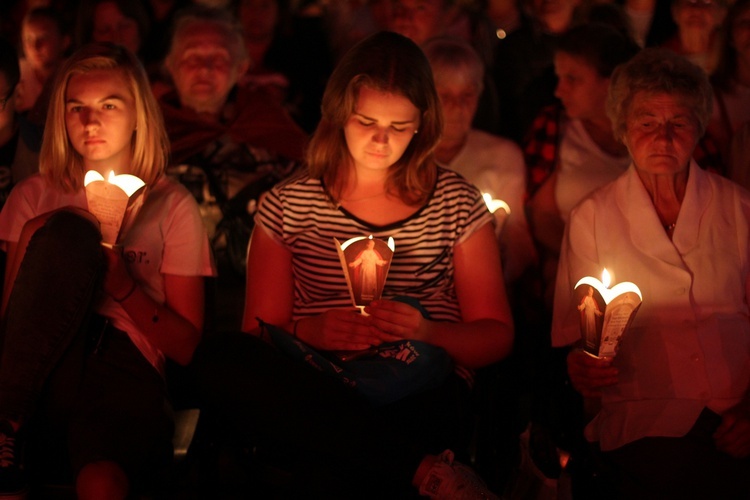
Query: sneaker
pixel 12 481
pixel 451 480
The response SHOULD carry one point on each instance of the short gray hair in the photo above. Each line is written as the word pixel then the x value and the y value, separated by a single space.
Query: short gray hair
pixel 449 54
pixel 657 71
pixel 200 15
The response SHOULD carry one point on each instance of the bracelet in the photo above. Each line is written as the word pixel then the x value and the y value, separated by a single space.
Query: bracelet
pixel 294 329
pixel 130 292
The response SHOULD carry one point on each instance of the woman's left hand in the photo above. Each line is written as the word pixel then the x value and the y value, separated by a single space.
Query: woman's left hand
pixel 398 319
pixel 733 435
pixel 117 281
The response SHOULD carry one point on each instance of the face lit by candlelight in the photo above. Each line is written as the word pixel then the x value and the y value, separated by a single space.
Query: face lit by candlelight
pixel 100 120
pixel 380 129
pixel 661 133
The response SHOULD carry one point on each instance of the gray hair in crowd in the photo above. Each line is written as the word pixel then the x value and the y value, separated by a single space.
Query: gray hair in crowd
pixel 658 71
pixel 199 15
pixel 448 55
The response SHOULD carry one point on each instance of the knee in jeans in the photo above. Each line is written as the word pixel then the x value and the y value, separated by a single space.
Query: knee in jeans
pixel 75 225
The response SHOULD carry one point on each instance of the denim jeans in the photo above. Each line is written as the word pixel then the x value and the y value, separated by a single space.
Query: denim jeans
pixel 49 305
pixel 82 385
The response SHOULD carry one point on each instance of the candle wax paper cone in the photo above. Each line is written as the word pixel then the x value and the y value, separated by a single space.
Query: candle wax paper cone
pixel 111 204
pixel 135 202
pixel 606 314
pixel 365 262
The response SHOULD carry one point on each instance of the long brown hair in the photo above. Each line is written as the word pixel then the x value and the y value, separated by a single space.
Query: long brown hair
pixel 386 62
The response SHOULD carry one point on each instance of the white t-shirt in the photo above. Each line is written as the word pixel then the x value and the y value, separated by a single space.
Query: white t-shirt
pixel 167 237
pixel 496 166
pixel 584 167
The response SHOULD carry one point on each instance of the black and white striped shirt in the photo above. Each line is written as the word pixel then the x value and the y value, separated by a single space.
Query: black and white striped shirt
pixel 298 214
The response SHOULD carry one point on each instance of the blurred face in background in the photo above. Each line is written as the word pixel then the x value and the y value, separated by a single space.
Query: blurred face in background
pixel 203 67
pixel 43 44
pixel 459 90
pixel 111 25
pixel 7 103
pixel 581 89
pixel 259 18
pixel 701 15
pixel 555 16
pixel 421 20
pixel 740 27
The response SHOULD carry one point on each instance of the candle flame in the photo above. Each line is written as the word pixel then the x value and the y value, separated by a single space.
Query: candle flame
pixel 606 279
pixel 493 204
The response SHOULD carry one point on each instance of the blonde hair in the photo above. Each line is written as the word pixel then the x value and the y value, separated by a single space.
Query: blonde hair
pixel 386 62
pixel 59 163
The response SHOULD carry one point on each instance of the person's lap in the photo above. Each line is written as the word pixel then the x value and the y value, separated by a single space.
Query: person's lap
pixel 108 405
pixel 282 403
pixel 686 467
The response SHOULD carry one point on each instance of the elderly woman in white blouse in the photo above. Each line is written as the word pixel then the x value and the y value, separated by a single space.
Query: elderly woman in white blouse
pixel 674 418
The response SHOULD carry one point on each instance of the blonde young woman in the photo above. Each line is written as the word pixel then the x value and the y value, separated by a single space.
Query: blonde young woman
pixel 88 328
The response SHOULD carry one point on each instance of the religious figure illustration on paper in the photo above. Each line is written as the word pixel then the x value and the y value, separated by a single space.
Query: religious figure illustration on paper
pixel 365 261
pixel 368 262
pixel 590 311
pixel 606 313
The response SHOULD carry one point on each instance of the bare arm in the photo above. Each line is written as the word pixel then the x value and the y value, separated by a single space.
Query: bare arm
pixel 269 289
pixel 174 327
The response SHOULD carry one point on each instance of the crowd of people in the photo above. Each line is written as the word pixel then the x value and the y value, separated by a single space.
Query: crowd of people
pixel 507 148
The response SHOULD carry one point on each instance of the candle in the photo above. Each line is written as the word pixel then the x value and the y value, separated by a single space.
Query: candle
pixel 602 325
pixel 113 201
pixel 602 286
pixel 365 262
pixel 493 205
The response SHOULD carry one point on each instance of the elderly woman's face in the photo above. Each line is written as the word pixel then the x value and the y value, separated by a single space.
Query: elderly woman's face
pixel 203 68
pixel 661 133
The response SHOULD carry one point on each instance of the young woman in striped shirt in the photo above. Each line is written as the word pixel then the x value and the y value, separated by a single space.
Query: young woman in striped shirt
pixel 370 172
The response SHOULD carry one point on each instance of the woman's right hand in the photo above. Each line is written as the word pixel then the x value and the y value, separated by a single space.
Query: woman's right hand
pixel 589 374
pixel 339 329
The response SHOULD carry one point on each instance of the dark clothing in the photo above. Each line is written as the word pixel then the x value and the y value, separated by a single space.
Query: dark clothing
pixel 258 122
pixel 686 467
pixel 84 389
pixel 524 77
pixel 7 153
pixel 333 441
